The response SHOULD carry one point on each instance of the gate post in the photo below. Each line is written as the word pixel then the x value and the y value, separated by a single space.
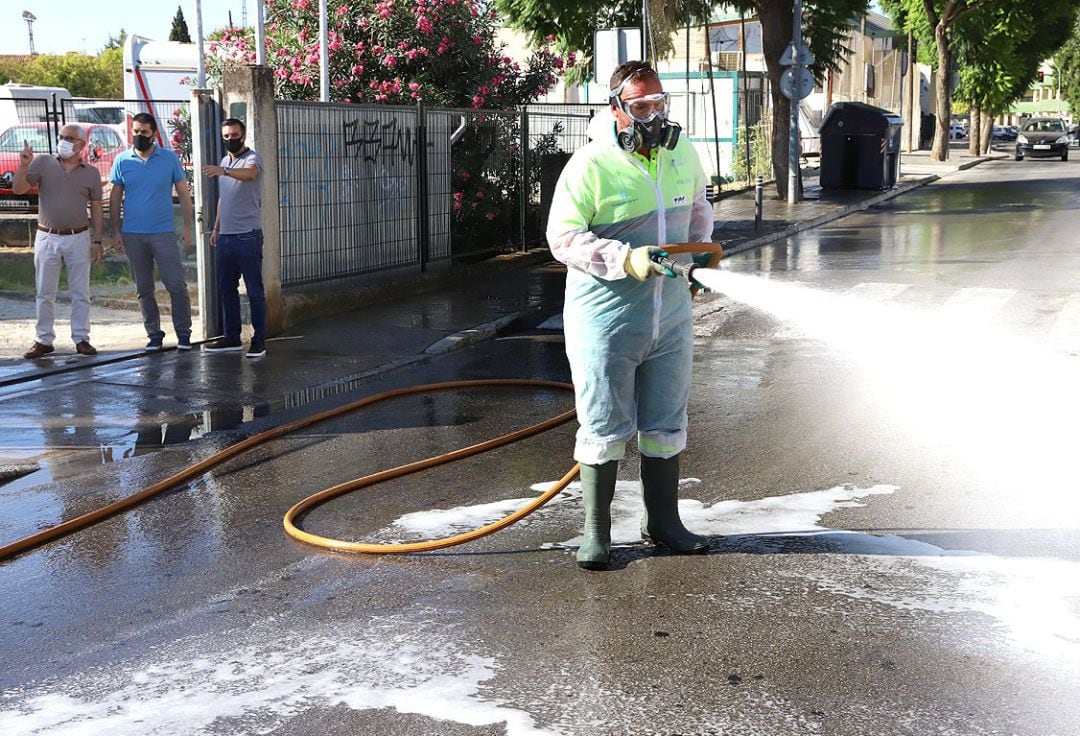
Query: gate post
pixel 205 133
pixel 248 95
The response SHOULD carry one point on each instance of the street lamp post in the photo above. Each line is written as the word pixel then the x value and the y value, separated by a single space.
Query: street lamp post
pixel 30 18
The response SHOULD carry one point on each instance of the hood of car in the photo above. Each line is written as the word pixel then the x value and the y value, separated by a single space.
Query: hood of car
pixel 1037 136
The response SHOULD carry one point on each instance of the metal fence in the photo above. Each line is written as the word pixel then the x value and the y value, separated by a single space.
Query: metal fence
pixel 370 188
pixel 39 124
pixel 350 190
pixel 173 120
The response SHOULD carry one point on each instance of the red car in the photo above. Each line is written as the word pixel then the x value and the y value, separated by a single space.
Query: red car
pixel 102 146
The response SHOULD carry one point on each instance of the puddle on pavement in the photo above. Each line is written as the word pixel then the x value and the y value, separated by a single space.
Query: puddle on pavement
pixel 60 464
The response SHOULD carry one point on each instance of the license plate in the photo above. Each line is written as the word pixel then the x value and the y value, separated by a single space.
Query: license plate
pixel 1042 146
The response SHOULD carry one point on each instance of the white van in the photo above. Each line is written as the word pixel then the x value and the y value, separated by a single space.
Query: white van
pixel 26 103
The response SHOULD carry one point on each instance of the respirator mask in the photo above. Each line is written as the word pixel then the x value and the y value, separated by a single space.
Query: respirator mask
pixel 650 127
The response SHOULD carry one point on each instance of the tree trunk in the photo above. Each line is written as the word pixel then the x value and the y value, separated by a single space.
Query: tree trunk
pixel 987 132
pixel 940 151
pixel 776 19
pixel 974 131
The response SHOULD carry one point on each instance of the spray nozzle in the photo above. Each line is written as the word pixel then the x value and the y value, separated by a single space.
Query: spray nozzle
pixel 675 268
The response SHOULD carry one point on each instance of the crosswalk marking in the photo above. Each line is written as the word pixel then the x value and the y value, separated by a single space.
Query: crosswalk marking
pixel 1065 334
pixel 975 304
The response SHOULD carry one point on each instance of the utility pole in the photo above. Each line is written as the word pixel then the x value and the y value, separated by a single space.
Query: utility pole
pixel 796 84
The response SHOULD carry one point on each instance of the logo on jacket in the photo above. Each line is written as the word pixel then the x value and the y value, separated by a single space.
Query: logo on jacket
pixel 681 199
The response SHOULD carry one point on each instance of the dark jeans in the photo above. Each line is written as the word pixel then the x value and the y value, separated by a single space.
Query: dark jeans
pixel 241 255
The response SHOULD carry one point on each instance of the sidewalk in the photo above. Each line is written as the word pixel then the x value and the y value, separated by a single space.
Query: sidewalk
pixel 446 310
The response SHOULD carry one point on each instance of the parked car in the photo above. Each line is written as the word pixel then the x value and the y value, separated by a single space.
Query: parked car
pixel 1043 137
pixel 102 146
pixel 957 131
pixel 104 112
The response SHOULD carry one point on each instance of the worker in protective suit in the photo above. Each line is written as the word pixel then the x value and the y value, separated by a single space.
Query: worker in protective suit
pixel 629 338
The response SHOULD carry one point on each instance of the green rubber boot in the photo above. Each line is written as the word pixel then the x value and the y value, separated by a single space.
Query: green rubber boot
pixel 661 522
pixel 597 490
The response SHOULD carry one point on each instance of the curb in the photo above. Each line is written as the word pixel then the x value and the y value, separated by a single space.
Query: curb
pixel 798 227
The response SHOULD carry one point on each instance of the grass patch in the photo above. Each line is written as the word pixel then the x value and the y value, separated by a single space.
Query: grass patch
pixel 17 274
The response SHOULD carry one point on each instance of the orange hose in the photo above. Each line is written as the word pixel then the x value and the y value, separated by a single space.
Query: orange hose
pixel 72 525
pixel 92 517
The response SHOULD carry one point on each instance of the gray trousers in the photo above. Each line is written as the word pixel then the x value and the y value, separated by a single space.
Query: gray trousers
pixel 143 250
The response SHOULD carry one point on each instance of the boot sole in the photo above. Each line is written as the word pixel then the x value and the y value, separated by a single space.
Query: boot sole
pixel 593 565
pixel 661 544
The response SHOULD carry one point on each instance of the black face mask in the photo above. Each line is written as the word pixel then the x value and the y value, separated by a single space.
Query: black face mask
pixel 653 134
pixel 234 145
pixel 142 142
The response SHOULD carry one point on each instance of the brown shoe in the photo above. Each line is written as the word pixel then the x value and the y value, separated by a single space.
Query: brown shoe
pixel 84 348
pixel 38 351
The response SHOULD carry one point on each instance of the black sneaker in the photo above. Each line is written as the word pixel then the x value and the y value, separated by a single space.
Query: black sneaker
pixel 224 345
pixel 155 342
pixel 257 349
pixel 183 342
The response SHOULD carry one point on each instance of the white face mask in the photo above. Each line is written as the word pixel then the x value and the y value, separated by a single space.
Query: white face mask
pixel 66 149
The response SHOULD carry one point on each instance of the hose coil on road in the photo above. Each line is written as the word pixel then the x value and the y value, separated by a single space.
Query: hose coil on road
pixel 72 525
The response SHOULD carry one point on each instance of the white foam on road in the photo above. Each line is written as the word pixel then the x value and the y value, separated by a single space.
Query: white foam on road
pixel 1032 600
pixel 267 679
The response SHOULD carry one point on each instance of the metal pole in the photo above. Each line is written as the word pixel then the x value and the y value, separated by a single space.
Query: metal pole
pixel 644 30
pixel 423 230
pixel 746 91
pixel 523 179
pixel 793 133
pixel 260 34
pixel 324 56
pixel 759 192
pixel 200 62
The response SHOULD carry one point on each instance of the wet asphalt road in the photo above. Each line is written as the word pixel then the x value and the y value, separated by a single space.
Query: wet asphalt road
pixel 893 553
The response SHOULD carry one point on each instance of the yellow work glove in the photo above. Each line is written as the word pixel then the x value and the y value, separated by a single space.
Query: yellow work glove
pixel 641 266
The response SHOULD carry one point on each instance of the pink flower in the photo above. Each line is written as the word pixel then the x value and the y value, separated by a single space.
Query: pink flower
pixel 458 196
pixel 477 102
pixel 490 215
pixel 478 39
pixel 465 175
pixel 389 60
pixel 479 194
pixel 414 86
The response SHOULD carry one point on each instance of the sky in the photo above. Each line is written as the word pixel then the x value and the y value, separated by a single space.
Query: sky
pixel 85 25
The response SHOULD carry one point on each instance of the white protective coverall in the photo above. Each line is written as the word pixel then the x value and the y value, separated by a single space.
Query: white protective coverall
pixel 629 342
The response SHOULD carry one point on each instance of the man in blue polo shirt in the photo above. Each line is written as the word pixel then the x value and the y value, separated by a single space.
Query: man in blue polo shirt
pixel 143 178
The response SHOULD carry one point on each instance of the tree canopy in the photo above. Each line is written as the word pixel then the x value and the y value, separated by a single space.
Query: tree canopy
pixel 441 51
pixel 1067 66
pixel 179 30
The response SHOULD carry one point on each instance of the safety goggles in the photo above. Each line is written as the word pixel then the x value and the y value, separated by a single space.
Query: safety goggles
pixel 644 109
